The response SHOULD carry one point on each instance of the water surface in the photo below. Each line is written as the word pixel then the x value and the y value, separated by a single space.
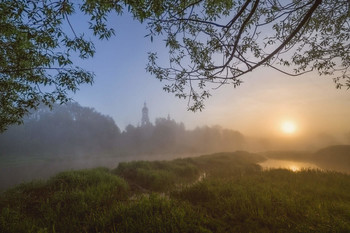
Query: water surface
pixel 287 164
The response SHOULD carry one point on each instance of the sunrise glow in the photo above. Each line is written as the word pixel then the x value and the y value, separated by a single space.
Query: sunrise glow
pixel 288 127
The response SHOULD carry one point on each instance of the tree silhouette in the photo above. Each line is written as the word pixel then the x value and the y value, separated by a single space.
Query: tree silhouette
pixel 209 42
pixel 66 130
pixel 218 42
pixel 36 51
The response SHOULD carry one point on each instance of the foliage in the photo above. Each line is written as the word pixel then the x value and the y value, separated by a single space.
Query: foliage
pixel 155 213
pixel 73 130
pixel 167 175
pixel 209 42
pixel 36 53
pixel 218 42
pixel 254 201
pixel 68 202
pixel 168 136
pixel 158 175
pixel 273 201
pixel 228 164
pixel 68 129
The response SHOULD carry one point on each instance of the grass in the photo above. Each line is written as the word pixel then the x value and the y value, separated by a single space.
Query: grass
pixel 167 196
pixel 67 202
pixel 158 176
pixel 224 165
pixel 274 201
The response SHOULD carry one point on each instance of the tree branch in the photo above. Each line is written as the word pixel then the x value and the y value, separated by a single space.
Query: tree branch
pixel 290 37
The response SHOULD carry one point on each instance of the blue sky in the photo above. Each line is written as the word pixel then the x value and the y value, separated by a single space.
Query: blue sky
pixel 257 107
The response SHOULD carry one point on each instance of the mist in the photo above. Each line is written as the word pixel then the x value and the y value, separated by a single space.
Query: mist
pixel 75 137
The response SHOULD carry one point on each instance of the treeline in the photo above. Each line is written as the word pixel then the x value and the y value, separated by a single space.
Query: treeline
pixel 168 136
pixel 66 129
pixel 75 130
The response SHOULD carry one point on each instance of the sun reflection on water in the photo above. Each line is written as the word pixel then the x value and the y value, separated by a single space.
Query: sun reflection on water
pixel 294 168
pixel 284 164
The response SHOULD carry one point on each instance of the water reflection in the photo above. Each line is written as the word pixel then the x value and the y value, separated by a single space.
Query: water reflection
pixel 285 164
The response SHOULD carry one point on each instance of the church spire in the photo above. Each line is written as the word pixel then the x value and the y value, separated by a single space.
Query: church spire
pixel 145 119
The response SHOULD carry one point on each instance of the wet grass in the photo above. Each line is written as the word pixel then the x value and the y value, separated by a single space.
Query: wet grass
pixel 167 196
pixel 158 176
pixel 68 202
pixel 274 201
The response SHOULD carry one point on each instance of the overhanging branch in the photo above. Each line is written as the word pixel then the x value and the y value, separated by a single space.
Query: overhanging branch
pixel 290 37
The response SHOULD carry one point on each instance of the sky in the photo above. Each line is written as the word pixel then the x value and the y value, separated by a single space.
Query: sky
pixel 258 107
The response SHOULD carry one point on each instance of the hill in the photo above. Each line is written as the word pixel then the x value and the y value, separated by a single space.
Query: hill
pixel 333 158
pixel 288 155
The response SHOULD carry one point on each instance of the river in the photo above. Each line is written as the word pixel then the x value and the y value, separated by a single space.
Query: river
pixel 287 164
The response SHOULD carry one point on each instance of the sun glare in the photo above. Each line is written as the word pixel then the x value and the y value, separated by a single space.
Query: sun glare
pixel 288 127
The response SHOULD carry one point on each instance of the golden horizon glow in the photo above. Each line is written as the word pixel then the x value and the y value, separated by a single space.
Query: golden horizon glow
pixel 288 127
pixel 294 168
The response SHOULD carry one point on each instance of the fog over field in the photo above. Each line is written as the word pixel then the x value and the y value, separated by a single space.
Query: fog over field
pixel 75 137
pixel 174 116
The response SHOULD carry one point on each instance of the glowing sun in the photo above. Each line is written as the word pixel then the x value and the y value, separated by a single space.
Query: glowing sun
pixel 288 127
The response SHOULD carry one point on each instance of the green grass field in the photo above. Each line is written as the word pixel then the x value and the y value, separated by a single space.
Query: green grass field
pixel 226 192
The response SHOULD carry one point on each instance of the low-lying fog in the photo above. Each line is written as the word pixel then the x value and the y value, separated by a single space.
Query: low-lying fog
pixel 16 169
pixel 76 137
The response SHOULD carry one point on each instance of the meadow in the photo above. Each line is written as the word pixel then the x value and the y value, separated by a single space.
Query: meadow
pixel 224 192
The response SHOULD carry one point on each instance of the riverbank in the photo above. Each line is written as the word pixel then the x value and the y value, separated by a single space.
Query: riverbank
pixel 235 195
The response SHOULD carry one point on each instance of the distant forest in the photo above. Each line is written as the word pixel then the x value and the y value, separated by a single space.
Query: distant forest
pixel 81 131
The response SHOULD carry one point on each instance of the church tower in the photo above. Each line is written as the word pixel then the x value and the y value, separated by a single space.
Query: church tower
pixel 145 119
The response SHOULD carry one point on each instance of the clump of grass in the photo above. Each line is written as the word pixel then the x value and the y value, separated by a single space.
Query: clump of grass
pixel 228 164
pixel 64 203
pixel 155 213
pixel 163 176
pixel 33 208
pixel 274 201
pixel 158 175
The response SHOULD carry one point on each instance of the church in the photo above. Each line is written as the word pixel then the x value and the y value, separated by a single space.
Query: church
pixel 145 119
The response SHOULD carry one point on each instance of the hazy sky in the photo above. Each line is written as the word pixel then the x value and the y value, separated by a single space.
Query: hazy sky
pixel 257 107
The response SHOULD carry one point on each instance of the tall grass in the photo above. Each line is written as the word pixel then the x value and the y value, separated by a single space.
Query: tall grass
pixel 235 196
pixel 274 201
pixel 228 164
pixel 155 213
pixel 158 175
pixel 67 202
